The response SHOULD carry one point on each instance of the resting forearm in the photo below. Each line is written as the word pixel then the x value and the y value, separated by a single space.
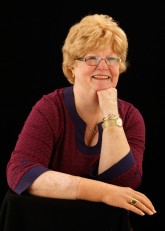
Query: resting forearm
pixel 59 185
pixel 114 147
pixel 64 186
pixel 55 185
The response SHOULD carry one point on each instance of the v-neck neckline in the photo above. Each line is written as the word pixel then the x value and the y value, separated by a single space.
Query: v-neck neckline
pixel 80 125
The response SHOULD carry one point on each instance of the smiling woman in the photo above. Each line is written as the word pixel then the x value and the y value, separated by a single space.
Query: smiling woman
pixel 82 142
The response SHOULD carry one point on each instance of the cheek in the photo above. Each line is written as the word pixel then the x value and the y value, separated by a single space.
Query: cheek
pixel 116 70
pixel 116 73
pixel 83 71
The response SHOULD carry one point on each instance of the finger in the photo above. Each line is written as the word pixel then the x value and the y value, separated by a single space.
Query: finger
pixel 145 206
pixel 136 210
pixel 145 201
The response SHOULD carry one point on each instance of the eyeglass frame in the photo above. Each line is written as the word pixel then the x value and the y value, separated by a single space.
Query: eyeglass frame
pixel 85 59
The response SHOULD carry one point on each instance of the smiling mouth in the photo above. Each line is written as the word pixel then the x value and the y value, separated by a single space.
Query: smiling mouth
pixel 100 77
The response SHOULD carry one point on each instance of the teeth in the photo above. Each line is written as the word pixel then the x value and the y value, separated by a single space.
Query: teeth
pixel 101 77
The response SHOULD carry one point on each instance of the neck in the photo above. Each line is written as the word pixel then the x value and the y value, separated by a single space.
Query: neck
pixel 86 101
pixel 87 106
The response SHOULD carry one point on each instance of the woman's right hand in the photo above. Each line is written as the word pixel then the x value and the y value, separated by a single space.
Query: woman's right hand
pixel 117 196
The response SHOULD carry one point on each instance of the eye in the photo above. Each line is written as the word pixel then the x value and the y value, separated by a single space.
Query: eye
pixel 92 58
pixel 112 59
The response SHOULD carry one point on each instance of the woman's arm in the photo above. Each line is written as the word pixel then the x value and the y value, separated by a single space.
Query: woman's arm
pixel 60 185
pixel 114 142
pixel 114 147
pixel 117 142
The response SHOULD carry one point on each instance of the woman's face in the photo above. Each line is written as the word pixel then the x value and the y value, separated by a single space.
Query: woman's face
pixel 99 77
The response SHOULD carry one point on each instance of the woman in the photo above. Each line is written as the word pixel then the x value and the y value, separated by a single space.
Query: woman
pixel 82 141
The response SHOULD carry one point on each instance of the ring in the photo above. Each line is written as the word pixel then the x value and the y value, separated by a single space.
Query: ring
pixel 134 201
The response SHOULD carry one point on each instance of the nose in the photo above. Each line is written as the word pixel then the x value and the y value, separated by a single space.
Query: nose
pixel 103 64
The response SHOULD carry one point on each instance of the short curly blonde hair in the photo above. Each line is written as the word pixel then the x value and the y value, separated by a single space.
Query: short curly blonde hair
pixel 92 32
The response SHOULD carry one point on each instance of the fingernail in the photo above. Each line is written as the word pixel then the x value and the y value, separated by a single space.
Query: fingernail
pixel 151 213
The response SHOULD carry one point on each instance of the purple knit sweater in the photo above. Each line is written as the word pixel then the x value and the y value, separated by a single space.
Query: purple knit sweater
pixel 53 138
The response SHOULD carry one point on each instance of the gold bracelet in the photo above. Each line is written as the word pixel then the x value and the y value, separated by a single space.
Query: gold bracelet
pixel 110 116
pixel 112 122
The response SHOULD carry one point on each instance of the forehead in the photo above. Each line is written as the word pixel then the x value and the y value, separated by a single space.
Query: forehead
pixel 106 51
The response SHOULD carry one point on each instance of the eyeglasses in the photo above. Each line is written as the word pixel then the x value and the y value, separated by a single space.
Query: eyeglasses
pixel 95 61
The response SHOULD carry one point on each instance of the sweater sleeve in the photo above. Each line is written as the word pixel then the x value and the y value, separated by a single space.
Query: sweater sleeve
pixel 32 153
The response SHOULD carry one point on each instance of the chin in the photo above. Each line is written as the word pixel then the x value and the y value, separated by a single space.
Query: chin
pixel 103 87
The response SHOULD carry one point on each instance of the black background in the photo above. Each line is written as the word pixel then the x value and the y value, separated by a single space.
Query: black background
pixel 30 52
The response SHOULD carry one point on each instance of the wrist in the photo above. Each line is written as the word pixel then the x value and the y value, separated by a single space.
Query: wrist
pixel 90 190
pixel 110 116
pixel 112 121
